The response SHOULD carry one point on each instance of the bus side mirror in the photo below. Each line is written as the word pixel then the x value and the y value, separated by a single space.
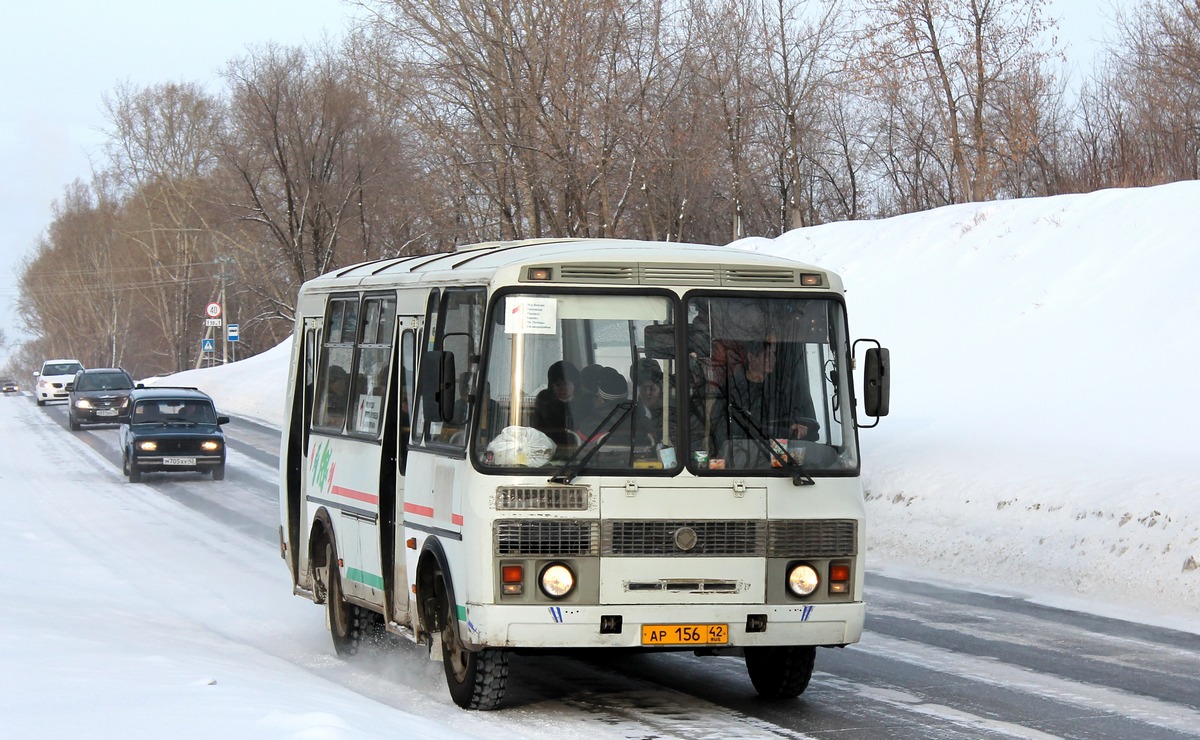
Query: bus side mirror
pixel 877 382
pixel 437 385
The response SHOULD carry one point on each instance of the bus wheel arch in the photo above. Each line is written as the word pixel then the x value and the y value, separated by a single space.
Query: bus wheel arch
pixel 319 535
pixel 476 678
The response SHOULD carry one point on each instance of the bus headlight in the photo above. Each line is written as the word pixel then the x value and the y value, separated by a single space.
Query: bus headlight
pixel 803 579
pixel 557 580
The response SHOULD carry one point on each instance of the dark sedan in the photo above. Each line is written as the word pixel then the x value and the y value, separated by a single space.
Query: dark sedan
pixel 99 396
pixel 10 385
pixel 172 429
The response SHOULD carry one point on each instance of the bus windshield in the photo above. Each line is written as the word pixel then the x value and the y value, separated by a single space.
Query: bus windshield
pixel 572 371
pixel 769 384
pixel 606 381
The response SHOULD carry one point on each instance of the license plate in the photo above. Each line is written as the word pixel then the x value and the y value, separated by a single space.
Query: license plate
pixel 106 412
pixel 179 461
pixel 685 634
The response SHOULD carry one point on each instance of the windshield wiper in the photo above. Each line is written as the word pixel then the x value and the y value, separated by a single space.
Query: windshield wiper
pixel 769 446
pixel 561 477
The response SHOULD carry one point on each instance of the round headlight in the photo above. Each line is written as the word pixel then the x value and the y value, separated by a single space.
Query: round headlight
pixel 557 580
pixel 803 580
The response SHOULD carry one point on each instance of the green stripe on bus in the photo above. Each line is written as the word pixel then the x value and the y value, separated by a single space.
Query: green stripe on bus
pixel 462 612
pixel 367 579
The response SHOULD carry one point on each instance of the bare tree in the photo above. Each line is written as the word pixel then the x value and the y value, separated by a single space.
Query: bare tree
pixel 1145 101
pixel 944 68
pixel 162 154
pixel 306 151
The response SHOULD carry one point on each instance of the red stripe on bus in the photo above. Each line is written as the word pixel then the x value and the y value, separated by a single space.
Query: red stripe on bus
pixel 456 519
pixel 356 495
pixel 421 510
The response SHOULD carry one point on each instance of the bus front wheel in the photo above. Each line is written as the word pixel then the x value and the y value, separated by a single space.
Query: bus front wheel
pixel 780 672
pixel 346 621
pixel 476 679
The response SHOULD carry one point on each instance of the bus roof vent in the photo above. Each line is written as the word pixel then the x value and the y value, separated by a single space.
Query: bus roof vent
pixel 597 273
pixel 765 276
pixel 686 275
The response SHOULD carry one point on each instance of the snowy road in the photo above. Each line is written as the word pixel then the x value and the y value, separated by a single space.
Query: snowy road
pixel 934 662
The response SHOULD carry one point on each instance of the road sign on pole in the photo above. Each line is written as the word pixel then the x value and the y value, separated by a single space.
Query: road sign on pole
pixel 208 345
pixel 213 310
pixel 231 332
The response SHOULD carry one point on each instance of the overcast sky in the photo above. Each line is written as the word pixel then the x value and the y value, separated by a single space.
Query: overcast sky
pixel 58 59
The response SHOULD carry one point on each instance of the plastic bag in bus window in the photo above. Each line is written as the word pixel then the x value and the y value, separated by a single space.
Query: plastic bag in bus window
pixel 521 446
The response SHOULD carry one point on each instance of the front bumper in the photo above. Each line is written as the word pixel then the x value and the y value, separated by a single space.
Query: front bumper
pixel 569 626
pixel 154 463
pixel 98 416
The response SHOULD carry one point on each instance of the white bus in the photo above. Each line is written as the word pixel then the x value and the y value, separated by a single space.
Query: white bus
pixel 557 444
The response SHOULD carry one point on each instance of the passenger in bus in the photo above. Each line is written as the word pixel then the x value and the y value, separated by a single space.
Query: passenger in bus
pixel 552 413
pixel 777 402
pixel 648 416
pixel 587 398
pixel 611 389
pixel 336 396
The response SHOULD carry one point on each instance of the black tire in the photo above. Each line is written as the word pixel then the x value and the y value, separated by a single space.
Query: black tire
pixel 74 424
pixel 219 472
pixel 476 679
pixel 41 402
pixel 347 622
pixel 780 672
pixel 129 467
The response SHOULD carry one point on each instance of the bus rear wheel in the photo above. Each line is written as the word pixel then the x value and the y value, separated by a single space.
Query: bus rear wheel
pixel 780 672
pixel 476 679
pixel 346 621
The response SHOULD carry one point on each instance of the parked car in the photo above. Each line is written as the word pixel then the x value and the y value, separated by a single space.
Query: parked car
pixel 99 395
pixel 172 429
pixel 10 385
pixel 52 380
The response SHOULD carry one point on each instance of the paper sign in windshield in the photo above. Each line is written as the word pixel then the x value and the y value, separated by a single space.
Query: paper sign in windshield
pixel 528 315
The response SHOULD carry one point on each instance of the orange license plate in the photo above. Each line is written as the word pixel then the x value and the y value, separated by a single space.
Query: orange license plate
pixel 685 634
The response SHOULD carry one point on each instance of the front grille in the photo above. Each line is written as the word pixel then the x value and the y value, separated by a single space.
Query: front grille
pixel 813 538
pixel 545 538
pixel 180 447
pixel 668 538
pixel 535 498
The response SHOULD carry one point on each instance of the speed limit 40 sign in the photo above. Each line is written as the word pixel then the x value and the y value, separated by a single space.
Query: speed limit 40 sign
pixel 213 310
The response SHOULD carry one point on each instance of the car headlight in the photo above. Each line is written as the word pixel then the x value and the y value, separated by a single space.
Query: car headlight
pixel 83 403
pixel 148 445
pixel 557 580
pixel 210 445
pixel 803 579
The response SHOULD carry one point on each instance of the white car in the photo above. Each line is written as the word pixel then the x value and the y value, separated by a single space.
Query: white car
pixel 53 378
